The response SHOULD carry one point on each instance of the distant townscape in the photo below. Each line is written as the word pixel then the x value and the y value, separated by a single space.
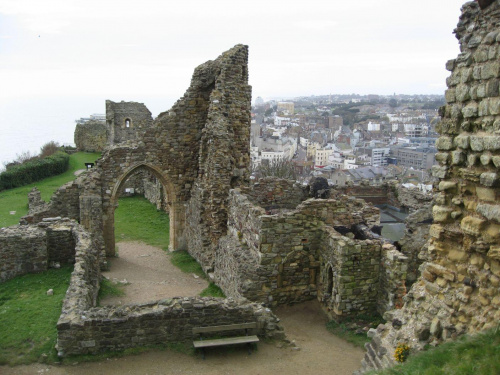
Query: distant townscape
pixel 349 138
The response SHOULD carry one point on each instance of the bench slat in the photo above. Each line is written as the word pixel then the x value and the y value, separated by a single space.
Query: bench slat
pixel 225 341
pixel 229 327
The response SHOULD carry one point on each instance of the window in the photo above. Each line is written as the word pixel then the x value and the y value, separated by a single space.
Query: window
pixel 127 123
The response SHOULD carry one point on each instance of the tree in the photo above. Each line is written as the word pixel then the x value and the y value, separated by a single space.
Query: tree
pixel 393 103
pixel 280 168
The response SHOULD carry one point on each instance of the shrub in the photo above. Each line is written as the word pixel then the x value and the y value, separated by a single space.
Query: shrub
pixel 34 170
pixel 48 149
pixel 401 353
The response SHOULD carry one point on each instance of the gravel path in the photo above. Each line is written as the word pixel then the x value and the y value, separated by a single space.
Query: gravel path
pixel 149 275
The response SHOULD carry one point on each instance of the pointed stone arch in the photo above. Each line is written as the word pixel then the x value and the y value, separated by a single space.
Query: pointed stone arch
pixel 176 208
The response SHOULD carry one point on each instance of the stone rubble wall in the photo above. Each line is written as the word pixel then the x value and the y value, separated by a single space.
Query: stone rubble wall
pixel 458 290
pixel 414 242
pixel 22 250
pixel 273 193
pixel 65 202
pixel 91 136
pixel 354 267
pixel 392 282
pixel 139 117
pixel 224 150
pixel 34 248
pixel 413 198
pixel 97 330
pixel 284 258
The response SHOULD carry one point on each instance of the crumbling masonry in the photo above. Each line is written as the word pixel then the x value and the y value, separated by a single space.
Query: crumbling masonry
pixel 458 291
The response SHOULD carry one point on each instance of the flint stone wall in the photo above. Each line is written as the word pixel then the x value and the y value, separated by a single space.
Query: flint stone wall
pixel 458 290
pixel 91 136
pixel 34 248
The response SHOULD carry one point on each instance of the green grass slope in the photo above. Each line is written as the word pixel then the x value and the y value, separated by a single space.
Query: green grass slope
pixel 28 316
pixel 470 355
pixel 17 199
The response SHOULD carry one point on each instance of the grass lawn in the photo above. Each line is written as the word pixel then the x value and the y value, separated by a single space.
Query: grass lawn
pixel 28 316
pixel 17 199
pixel 136 219
pixel 474 355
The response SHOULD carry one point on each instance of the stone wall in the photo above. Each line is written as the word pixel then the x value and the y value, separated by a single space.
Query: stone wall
pixel 91 136
pixel 98 330
pixel 413 198
pixel 414 242
pixel 126 121
pixel 22 250
pixel 275 194
pixel 34 248
pixel 65 202
pixel 299 254
pixel 390 193
pixel 458 291
pixel 350 274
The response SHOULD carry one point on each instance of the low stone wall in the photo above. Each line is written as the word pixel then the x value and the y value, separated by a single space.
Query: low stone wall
pixel 22 250
pixel 65 202
pixel 34 248
pixel 275 193
pixel 158 323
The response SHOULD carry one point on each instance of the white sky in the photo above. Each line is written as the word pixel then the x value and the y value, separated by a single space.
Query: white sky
pixel 130 48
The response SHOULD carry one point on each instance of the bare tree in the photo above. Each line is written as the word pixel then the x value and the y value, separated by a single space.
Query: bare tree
pixel 281 168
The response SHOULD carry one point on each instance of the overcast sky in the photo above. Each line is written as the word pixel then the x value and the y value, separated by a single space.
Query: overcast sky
pixel 151 47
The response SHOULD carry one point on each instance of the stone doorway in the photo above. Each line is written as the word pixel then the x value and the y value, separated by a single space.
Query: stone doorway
pixel 176 209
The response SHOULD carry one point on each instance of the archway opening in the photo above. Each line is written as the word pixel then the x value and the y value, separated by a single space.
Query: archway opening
pixel 143 179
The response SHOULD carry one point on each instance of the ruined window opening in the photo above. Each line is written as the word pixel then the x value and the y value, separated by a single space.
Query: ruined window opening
pixel 127 123
pixel 329 281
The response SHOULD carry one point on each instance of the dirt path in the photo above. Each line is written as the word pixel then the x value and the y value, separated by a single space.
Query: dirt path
pixel 149 276
pixel 152 276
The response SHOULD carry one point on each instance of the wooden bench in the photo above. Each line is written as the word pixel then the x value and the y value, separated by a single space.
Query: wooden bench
pixel 206 342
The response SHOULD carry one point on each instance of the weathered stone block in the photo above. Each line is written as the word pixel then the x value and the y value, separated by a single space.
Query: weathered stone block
pixel 470 110
pixel 441 213
pixel 457 157
pixel 444 143
pixel 485 194
pixel 489 211
pixel 490 70
pixel 489 179
pixel 494 252
pixel 439 171
pixel 462 141
pixel 477 143
pixel 472 225
pixel 447 185
pixel 494 106
pixel 450 96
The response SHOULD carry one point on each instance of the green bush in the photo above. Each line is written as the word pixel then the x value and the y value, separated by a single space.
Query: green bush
pixel 34 170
